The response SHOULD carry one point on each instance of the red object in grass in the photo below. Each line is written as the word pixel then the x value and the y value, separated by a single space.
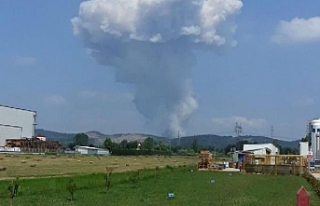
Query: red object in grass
pixel 302 197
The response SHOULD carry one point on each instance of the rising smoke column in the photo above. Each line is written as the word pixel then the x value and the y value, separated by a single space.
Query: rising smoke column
pixel 150 44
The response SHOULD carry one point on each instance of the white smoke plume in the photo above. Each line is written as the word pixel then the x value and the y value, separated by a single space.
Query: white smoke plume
pixel 150 43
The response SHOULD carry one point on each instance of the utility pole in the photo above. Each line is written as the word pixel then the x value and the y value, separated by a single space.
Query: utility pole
pixel 271 132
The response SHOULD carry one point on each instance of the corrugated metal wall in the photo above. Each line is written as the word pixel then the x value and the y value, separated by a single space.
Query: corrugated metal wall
pixel 16 123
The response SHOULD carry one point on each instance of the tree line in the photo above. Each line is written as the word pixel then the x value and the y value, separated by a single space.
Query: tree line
pixel 150 146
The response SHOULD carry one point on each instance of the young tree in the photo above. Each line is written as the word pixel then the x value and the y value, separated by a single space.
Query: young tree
pixel 81 139
pixel 275 142
pixel 148 143
pixel 13 189
pixel 107 178
pixel 195 145
pixel 71 187
pixel 107 143
pixel 123 143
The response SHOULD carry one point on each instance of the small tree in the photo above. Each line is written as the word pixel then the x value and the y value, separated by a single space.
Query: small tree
pixel 275 142
pixel 135 178
pixel 148 144
pixel 156 174
pixel 107 178
pixel 81 139
pixel 195 145
pixel 107 143
pixel 13 189
pixel 71 187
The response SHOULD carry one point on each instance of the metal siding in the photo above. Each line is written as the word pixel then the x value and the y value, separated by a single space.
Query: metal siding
pixel 16 118
pixel 7 132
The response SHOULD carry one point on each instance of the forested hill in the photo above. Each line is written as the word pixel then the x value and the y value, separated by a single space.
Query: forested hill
pixel 217 141
pixel 223 141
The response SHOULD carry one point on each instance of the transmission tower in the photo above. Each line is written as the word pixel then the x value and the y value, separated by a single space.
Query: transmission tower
pixel 238 129
pixel 271 132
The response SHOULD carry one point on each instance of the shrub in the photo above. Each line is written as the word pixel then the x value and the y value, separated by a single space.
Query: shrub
pixel 107 178
pixel 71 188
pixel 13 189
pixel 135 178
pixel 313 181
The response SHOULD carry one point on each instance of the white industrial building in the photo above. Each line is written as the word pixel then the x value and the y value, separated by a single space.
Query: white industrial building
pixel 314 134
pixel 304 149
pixel 86 150
pixel 16 123
pixel 261 149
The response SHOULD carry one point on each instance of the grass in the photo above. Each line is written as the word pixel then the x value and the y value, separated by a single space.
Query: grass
pixel 190 188
pixel 39 165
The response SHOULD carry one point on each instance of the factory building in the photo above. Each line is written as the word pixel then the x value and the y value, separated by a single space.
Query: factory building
pixel 314 138
pixel 16 123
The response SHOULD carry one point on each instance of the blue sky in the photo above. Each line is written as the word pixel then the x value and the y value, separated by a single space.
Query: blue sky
pixel 266 80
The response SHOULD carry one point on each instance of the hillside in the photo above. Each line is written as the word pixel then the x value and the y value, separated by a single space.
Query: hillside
pixel 223 141
pixel 97 138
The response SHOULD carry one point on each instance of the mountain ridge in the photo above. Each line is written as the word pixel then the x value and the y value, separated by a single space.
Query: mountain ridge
pixel 204 140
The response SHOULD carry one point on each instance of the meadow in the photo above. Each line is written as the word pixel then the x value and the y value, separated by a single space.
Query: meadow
pixel 60 165
pixel 190 187
pixel 44 179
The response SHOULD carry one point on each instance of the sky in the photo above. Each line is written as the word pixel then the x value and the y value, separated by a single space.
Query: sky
pixel 268 81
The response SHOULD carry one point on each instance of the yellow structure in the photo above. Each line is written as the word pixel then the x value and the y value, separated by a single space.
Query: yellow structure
pixel 275 164
pixel 205 160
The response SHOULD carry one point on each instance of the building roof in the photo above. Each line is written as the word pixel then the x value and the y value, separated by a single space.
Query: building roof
pixel 17 108
pixel 87 147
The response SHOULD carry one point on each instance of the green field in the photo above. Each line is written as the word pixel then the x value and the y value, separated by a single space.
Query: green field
pixel 190 188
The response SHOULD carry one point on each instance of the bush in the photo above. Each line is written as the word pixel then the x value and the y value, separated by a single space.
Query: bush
pixel 313 181
pixel 71 187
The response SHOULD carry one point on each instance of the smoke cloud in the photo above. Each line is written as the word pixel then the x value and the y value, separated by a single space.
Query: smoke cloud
pixel 150 43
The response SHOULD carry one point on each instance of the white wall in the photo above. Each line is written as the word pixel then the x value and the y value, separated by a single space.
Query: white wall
pixel 261 148
pixel 7 132
pixel 304 148
pixel 16 123
pixel 315 139
pixel 86 150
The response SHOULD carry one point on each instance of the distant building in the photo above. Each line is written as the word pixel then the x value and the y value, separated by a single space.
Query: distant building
pixel 16 123
pixel 262 149
pixel 314 135
pixel 41 137
pixel 86 150
pixel 304 148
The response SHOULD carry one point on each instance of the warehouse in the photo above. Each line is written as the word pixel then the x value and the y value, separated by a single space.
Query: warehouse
pixel 85 150
pixel 16 123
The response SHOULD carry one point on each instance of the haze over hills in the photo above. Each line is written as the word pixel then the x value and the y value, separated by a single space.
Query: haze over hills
pixel 97 138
